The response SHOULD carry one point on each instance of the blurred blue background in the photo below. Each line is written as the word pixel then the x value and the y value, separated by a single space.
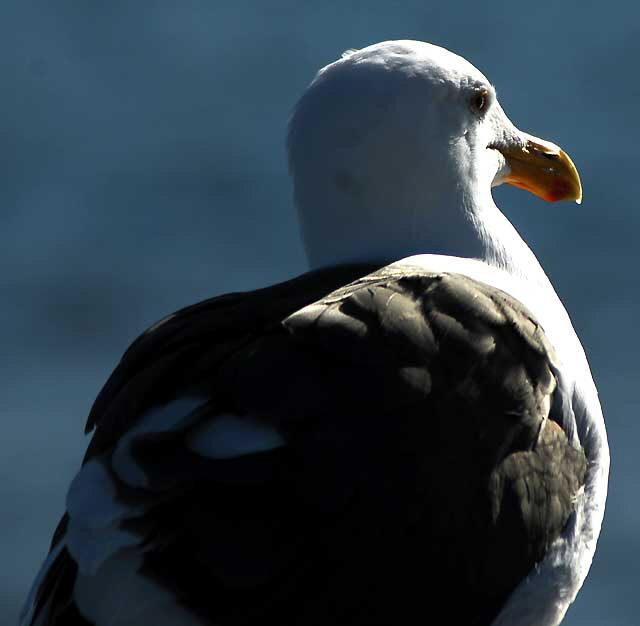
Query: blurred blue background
pixel 142 168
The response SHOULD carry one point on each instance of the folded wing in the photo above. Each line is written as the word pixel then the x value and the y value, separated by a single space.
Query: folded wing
pixel 388 453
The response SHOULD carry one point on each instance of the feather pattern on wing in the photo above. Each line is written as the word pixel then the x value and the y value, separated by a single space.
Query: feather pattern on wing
pixel 403 441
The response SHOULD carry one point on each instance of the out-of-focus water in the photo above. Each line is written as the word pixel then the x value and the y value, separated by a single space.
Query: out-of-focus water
pixel 142 168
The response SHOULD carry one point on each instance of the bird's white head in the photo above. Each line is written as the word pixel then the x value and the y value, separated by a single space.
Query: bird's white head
pixel 394 149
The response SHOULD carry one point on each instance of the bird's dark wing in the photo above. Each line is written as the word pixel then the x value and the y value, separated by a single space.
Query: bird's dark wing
pixel 392 452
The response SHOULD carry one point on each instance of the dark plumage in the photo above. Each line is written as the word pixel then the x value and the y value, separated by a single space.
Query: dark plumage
pixel 431 466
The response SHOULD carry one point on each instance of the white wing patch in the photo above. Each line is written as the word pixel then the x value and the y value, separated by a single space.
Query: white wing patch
pixel 229 436
pixel 92 498
pixel 109 589
pixel 95 511
pixel 159 419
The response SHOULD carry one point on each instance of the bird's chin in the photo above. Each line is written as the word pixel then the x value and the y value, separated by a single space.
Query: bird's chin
pixel 498 166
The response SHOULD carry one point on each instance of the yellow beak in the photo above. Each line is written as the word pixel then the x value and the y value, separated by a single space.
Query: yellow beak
pixel 542 168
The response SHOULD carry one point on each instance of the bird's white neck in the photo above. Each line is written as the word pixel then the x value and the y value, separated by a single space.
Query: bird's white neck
pixel 384 228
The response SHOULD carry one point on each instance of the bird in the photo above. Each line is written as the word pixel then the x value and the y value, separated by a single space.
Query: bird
pixel 407 433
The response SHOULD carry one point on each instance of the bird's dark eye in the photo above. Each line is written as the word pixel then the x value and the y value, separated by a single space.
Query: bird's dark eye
pixel 479 101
